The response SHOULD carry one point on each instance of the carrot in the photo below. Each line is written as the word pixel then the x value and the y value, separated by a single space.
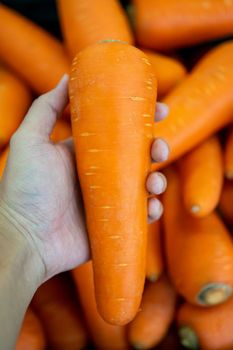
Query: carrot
pixel 225 203
pixel 32 52
pixel 61 131
pixel 85 22
pixel 15 98
pixel 201 104
pixel 168 71
pixel 113 135
pixel 57 309
pixel 206 328
pixel 202 177
pixel 199 251
pixel 157 311
pixel 228 156
pixel 103 335
pixel 172 24
pixel 31 335
pixel 154 259
pixel 3 160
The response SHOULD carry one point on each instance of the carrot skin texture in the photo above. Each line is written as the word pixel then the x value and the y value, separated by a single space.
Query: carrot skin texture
pixel 225 203
pixel 200 105
pixel 113 131
pixel 31 336
pixel 202 177
pixel 204 244
pixel 157 312
pixel 154 258
pixel 172 24
pixel 103 335
pixel 32 52
pixel 15 99
pixel 228 156
pixel 85 22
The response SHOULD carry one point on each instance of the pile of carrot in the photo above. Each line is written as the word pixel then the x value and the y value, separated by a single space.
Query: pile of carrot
pixel 163 285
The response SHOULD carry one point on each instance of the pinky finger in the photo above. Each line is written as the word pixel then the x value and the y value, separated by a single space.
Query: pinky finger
pixel 155 210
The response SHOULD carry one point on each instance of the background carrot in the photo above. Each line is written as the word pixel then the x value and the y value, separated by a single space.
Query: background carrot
pixel 229 156
pixel 61 131
pixel 172 24
pixel 56 306
pixel 154 258
pixel 3 160
pixel 85 22
pixel 15 99
pixel 226 202
pixel 31 335
pixel 199 251
pixel 112 170
pixel 168 71
pixel 103 335
pixel 156 314
pixel 201 104
pixel 32 52
pixel 202 177
pixel 206 328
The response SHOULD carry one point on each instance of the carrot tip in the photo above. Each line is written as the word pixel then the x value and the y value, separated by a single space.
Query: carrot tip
pixel 229 174
pixel 188 338
pixel 152 278
pixel 214 294
pixel 195 209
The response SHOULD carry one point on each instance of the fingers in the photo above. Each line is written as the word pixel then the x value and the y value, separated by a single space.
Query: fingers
pixel 161 112
pixel 159 151
pixel 69 143
pixel 155 210
pixel 156 183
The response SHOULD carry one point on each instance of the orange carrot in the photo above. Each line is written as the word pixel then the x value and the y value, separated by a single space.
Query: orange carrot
pixel 61 131
pixel 168 71
pixel 199 251
pixel 226 202
pixel 57 309
pixel 206 328
pixel 172 24
pixel 3 160
pixel 201 104
pixel 32 52
pixel 31 336
pixel 113 134
pixel 103 335
pixel 85 22
pixel 15 98
pixel 154 259
pixel 229 156
pixel 202 177
pixel 157 311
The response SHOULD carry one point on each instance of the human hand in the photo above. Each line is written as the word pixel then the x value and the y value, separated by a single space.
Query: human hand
pixel 39 192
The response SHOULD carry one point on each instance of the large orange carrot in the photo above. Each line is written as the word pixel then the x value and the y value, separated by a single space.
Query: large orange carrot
pixel 199 251
pixel 113 93
pixel 15 98
pixel 31 335
pixel 3 160
pixel 201 104
pixel 171 24
pixel 61 131
pixel 229 156
pixel 154 258
pixel 157 311
pixel 103 335
pixel 85 22
pixel 57 309
pixel 202 177
pixel 168 71
pixel 226 202
pixel 38 57
pixel 206 328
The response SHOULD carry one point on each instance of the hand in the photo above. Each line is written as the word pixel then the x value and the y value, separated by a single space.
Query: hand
pixel 39 191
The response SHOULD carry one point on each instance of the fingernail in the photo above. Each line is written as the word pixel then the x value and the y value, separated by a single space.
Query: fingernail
pixel 159 151
pixel 162 111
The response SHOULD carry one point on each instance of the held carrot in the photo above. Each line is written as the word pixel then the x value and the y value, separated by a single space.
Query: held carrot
pixel 61 131
pixel 57 309
pixel 103 335
pixel 226 202
pixel 32 52
pixel 154 258
pixel 201 104
pixel 228 156
pixel 113 134
pixel 85 22
pixel 3 160
pixel 172 24
pixel 15 99
pixel 202 177
pixel 199 251
pixel 206 328
pixel 157 311
pixel 31 336
pixel 168 71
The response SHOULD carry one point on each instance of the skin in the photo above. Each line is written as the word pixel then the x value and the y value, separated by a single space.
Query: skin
pixel 42 226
